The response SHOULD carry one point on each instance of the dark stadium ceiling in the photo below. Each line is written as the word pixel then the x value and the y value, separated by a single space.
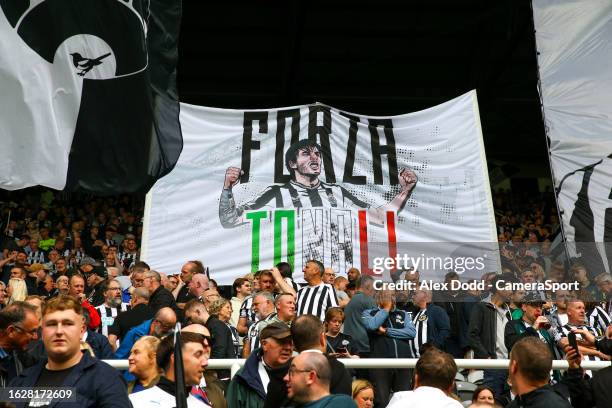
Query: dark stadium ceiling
pixel 377 57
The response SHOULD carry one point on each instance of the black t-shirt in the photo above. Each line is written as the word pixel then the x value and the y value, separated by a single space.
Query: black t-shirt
pixel 183 296
pixel 339 342
pixel 132 318
pixel 50 378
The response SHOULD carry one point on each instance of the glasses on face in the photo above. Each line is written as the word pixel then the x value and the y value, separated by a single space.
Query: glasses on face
pixel 32 332
pixel 293 370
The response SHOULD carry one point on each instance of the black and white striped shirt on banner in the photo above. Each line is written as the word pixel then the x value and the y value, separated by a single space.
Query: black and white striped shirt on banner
pixel 420 323
pixel 315 300
pixel 246 310
pixel 107 316
pixel 295 195
pixel 599 320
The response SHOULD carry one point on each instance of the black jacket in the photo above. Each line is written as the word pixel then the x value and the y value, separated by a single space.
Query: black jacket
pixel 482 332
pixel 162 297
pixel 222 342
pixel 543 397
pixel 96 384
pixel 96 295
pixel 129 319
pixel 14 364
pixel 589 392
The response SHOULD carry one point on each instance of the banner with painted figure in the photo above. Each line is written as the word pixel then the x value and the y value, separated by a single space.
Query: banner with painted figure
pixel 254 188
pixel 574 44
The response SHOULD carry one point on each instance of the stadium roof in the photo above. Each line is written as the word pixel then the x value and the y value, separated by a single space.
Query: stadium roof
pixel 371 57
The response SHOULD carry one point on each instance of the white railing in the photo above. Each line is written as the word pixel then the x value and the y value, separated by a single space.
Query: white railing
pixel 235 364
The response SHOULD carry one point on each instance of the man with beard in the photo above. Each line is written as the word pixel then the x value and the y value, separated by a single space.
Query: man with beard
pixel 125 321
pixel 263 305
pixel 112 305
pixel 308 381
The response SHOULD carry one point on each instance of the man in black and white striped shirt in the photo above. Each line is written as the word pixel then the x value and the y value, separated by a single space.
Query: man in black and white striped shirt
pixel 431 322
pixel 305 190
pixel 263 305
pixel 247 315
pixel 317 297
pixel 111 307
pixel 577 320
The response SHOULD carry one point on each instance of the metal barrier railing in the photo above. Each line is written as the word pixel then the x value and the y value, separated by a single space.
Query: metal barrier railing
pixel 235 364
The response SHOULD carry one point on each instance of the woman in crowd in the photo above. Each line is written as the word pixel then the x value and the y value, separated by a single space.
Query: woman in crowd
pixel 363 393
pixel 63 285
pixel 142 364
pixel 225 344
pixel 16 291
pixel 483 395
pixel 338 344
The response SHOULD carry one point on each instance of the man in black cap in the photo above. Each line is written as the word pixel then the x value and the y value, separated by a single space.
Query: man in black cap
pixel 265 367
pixel 96 279
pixel 531 324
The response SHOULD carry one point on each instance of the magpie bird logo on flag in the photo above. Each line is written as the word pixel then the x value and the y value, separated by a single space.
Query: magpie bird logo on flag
pixel 95 66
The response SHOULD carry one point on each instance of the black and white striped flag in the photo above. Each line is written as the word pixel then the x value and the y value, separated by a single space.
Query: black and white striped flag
pixel 88 97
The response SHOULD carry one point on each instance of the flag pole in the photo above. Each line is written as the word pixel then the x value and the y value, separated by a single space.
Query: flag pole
pixel 179 373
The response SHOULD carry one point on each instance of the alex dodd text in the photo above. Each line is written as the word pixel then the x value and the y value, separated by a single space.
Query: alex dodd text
pixel 481 285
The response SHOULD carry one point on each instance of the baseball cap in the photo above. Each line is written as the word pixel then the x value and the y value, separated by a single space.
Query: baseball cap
pixel 276 330
pixel 533 297
pixel 100 271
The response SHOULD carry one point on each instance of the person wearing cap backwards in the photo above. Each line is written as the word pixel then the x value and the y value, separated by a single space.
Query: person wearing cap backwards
pixel 267 364
pixel 531 324
pixel 95 281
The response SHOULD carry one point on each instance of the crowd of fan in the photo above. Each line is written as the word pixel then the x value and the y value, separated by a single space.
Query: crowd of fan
pixel 74 292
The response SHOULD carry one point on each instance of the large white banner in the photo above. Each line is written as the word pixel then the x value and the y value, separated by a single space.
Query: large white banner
pixel 574 44
pixel 253 188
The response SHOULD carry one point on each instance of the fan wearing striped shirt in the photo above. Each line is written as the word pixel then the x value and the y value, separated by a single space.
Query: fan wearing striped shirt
pixel 431 322
pixel 316 297
pixel 306 190
pixel 598 318
pixel 577 320
pixel 263 282
pixel 111 307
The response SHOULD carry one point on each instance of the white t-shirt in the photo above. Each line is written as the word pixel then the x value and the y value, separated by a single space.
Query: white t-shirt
pixel 423 397
pixel 156 397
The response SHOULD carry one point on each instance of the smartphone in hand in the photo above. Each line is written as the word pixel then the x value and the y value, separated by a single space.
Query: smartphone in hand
pixel 571 337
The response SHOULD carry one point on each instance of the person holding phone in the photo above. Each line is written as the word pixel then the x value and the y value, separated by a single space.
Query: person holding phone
pixel 339 345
